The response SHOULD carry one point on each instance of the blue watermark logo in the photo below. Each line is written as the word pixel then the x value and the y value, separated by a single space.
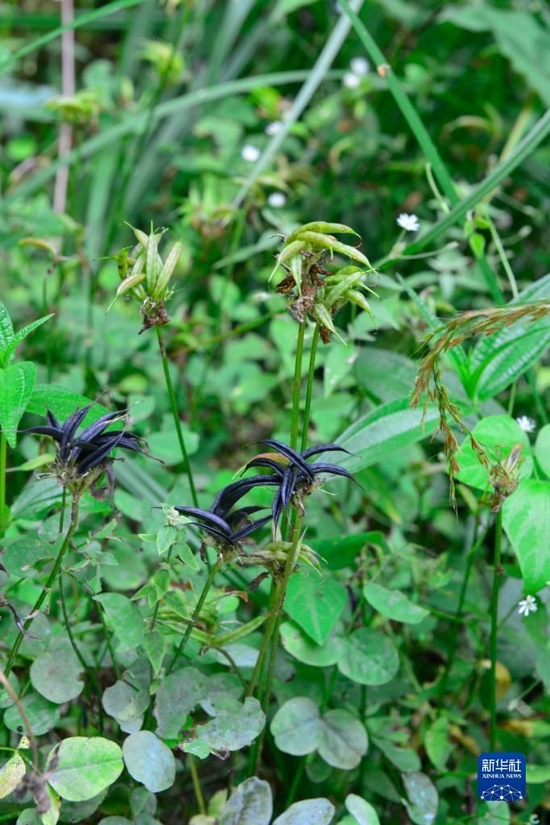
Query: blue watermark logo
pixel 501 777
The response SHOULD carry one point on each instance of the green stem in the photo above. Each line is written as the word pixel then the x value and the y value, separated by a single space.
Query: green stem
pixel 48 586
pixel 109 646
pixel 503 257
pixel 295 421
pixel 175 414
pixel 196 783
pixel 494 632
pixel 309 387
pixel 88 670
pixel 196 613
pixel 3 462
pixel 273 600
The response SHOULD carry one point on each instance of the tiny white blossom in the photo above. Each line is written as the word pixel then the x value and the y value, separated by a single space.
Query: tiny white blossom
pixel 276 199
pixel 528 425
pixel 351 80
pixel 409 223
pixel 273 128
pixel 359 66
pixel 527 605
pixel 250 153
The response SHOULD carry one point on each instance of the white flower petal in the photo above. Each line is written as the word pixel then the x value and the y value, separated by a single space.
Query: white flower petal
pixel 351 80
pixel 273 128
pixel 359 66
pixel 277 200
pixel 409 223
pixel 250 153
pixel 527 424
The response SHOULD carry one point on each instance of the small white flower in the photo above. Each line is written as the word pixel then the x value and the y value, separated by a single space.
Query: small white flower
pixel 276 199
pixel 273 128
pixel 409 223
pixel 250 153
pixel 528 425
pixel 527 605
pixel 351 80
pixel 359 66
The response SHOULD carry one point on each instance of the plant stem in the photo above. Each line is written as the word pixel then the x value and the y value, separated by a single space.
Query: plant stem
pixel 309 387
pixel 295 421
pixel 196 783
pixel 494 632
pixel 175 414
pixel 503 258
pixel 49 584
pixel 196 613
pixel 90 672
pixel 3 461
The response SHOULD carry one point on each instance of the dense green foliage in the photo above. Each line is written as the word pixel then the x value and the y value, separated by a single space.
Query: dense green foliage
pixel 275 477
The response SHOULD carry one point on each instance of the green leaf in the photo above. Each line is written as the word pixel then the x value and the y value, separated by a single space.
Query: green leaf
pixel 315 604
pixel 382 432
pixel 22 334
pixel 11 774
pixel 82 767
pixel 344 740
pixel 155 645
pixel 369 657
pixel 166 537
pixel 423 800
pixel 498 435
pixel 307 812
pixel 526 522
pixel 176 697
pixel 437 743
pixel 250 804
pixel 41 714
pixel 498 360
pixel 6 330
pixel 542 449
pixel 394 604
pixel 123 617
pixel 233 728
pixel 62 403
pixel 361 810
pixel 303 649
pixel 538 774
pixel 126 704
pixel 404 759
pixel 494 813
pixel 149 761
pixel 338 365
pixel 16 384
pixel 56 674
pixel 297 727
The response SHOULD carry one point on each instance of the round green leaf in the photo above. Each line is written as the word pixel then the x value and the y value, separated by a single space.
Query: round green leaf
pixel 82 767
pixel 81 811
pixel 125 704
pixel 176 697
pixel 369 658
pixel 498 435
pixel 315 604
pixel 344 741
pixel 361 810
pixel 149 761
pixel 235 727
pixel 525 518
pixel 305 650
pixel 437 743
pixel 423 799
pixel 42 715
pixel 56 674
pixel 394 604
pixel 250 804
pixel 308 812
pixel 297 727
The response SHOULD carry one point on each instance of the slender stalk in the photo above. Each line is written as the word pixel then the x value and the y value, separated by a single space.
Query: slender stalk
pixel 295 421
pixel 309 387
pixel 3 462
pixel 503 258
pixel 90 672
pixel 196 613
pixel 52 578
pixel 494 632
pixel 175 414
pixel 273 600
pixel 196 783
pixel 68 87
pixel 107 637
